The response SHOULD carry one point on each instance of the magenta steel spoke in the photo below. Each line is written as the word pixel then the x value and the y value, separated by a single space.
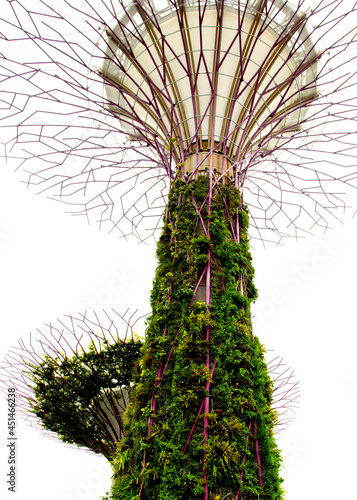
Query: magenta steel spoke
pixel 259 462
pixel 244 459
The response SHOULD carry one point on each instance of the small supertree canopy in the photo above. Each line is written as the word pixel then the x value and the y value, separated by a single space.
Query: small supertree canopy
pixel 82 398
pixel 73 378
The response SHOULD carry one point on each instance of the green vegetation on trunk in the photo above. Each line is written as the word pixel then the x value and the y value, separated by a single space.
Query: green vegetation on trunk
pixel 200 424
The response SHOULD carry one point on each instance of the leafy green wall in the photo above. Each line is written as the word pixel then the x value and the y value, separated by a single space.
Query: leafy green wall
pixel 200 423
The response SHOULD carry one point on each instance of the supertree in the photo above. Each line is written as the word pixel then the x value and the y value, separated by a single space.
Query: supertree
pixel 214 108
pixel 74 376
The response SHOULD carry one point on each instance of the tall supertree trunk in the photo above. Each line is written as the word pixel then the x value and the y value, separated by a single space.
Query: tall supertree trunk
pixel 200 423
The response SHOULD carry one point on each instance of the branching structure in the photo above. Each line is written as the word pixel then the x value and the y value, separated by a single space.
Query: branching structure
pixel 67 136
pixel 73 378
pixel 210 110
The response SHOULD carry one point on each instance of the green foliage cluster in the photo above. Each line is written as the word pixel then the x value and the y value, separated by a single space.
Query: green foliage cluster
pixel 172 449
pixel 69 390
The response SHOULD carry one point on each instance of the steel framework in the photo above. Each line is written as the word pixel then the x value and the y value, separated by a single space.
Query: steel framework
pixel 58 119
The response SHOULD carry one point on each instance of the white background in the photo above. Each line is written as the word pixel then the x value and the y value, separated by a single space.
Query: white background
pixel 50 263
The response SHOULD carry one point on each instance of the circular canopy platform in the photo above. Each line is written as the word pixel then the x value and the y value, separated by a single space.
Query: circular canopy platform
pixel 230 78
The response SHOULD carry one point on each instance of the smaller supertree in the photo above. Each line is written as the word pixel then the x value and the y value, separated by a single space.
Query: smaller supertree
pixel 75 382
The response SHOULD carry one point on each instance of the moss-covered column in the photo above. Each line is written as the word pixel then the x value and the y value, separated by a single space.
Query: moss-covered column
pixel 200 424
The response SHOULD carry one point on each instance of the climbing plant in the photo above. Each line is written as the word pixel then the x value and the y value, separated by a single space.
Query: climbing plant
pixel 200 423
